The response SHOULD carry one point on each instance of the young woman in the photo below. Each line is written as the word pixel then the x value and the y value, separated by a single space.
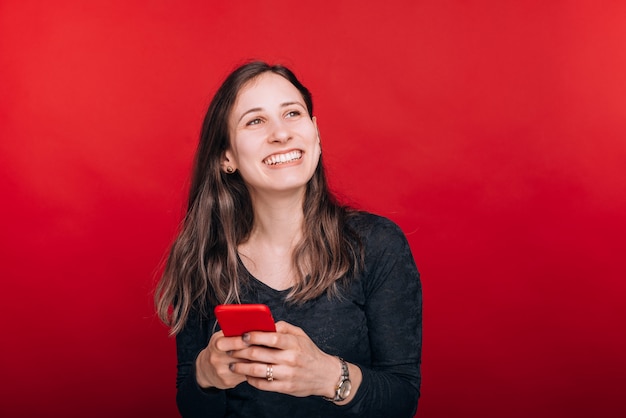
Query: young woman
pixel 262 227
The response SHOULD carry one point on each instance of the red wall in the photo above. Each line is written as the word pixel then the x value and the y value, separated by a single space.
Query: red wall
pixel 494 134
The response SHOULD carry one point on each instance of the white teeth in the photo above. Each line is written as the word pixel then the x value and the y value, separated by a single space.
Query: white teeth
pixel 283 158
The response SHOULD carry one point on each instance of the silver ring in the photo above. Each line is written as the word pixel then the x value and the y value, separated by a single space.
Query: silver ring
pixel 269 373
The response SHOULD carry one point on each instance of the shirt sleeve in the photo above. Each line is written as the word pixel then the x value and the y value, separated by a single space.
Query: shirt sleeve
pixel 391 384
pixel 191 399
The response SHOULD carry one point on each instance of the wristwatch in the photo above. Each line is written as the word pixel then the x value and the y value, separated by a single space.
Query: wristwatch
pixel 342 390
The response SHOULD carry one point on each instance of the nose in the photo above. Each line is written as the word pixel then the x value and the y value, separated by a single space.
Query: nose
pixel 280 132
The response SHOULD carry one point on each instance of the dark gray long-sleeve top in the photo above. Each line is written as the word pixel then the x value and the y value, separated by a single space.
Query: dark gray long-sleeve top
pixel 376 324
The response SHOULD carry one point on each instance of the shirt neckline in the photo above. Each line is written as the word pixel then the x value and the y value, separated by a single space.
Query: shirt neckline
pixel 260 283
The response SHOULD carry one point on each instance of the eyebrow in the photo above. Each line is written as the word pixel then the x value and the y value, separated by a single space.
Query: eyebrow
pixel 258 109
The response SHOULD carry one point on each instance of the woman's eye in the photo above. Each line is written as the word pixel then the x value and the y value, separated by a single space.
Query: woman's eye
pixel 254 121
pixel 293 113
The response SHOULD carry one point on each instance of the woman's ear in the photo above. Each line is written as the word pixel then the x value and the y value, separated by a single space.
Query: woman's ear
pixel 319 141
pixel 227 164
pixel 314 119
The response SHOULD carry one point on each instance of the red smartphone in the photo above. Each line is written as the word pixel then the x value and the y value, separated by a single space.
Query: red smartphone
pixel 235 320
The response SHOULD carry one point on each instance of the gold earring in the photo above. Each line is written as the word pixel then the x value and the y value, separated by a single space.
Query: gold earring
pixel 230 170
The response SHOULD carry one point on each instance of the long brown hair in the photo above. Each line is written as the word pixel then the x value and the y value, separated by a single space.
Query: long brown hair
pixel 203 267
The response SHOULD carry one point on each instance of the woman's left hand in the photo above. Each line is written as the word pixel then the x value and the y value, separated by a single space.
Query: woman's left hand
pixel 298 367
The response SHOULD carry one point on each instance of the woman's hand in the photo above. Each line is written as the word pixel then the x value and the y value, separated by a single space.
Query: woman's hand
pixel 214 362
pixel 298 366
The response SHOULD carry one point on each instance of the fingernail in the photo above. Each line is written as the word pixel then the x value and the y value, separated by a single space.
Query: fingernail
pixel 245 337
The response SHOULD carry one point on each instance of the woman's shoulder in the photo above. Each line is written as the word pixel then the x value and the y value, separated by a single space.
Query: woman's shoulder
pixel 387 253
pixel 369 226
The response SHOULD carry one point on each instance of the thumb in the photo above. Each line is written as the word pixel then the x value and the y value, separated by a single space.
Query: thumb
pixel 286 328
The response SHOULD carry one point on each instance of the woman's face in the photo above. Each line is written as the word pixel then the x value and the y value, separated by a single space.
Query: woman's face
pixel 273 142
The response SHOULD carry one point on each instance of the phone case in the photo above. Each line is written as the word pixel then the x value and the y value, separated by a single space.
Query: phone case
pixel 235 320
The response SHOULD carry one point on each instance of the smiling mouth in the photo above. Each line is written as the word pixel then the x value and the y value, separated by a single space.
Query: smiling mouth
pixel 287 157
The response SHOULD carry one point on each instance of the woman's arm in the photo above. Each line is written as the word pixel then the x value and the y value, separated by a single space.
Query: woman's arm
pixel 191 399
pixel 391 386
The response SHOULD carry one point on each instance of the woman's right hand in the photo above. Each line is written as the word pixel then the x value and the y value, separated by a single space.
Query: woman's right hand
pixel 213 363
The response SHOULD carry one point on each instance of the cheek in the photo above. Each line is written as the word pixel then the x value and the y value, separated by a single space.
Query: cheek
pixel 244 147
pixel 311 132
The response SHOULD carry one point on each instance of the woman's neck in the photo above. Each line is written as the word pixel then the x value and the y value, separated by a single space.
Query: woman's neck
pixel 268 251
pixel 278 221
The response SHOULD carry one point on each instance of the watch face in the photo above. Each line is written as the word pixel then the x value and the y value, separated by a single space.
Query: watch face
pixel 344 389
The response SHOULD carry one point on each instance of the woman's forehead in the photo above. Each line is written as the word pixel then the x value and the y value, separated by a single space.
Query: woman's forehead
pixel 265 90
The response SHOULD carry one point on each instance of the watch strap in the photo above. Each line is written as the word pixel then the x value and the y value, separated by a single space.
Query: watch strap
pixel 345 376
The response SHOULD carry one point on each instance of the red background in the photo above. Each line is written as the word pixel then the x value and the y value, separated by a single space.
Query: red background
pixel 493 132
